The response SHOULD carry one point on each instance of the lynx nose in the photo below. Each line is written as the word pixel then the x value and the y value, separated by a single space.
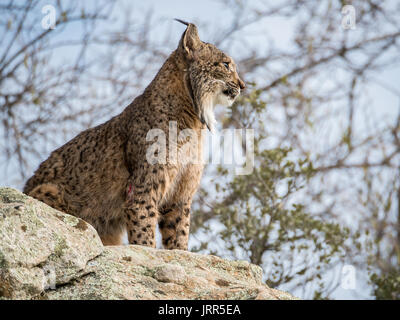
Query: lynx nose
pixel 241 84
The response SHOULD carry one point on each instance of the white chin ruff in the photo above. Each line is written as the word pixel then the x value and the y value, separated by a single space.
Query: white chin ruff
pixel 208 115
pixel 223 100
pixel 209 105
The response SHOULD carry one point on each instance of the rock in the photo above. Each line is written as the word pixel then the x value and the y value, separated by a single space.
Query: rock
pixel 47 254
pixel 170 273
pixel 40 247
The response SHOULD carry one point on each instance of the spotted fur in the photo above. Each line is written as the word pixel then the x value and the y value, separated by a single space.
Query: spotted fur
pixel 102 175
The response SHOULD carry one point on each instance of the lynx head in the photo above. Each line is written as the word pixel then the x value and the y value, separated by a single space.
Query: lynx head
pixel 212 75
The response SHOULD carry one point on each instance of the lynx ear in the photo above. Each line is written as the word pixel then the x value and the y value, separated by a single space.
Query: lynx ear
pixel 190 40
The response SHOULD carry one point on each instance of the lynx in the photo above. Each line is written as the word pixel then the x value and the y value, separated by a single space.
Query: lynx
pixel 102 175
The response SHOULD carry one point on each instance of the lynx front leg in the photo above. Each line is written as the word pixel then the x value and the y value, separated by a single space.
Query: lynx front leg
pixel 143 194
pixel 174 226
pixel 174 220
pixel 141 218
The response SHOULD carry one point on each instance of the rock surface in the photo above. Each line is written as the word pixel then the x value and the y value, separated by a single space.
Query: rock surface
pixel 47 254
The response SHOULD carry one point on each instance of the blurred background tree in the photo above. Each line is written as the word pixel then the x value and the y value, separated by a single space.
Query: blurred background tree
pixel 325 109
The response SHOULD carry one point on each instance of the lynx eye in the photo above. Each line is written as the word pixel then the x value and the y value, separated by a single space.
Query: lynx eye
pixel 226 64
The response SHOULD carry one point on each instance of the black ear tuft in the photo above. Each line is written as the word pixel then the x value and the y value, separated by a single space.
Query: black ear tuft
pixel 181 21
pixel 190 40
